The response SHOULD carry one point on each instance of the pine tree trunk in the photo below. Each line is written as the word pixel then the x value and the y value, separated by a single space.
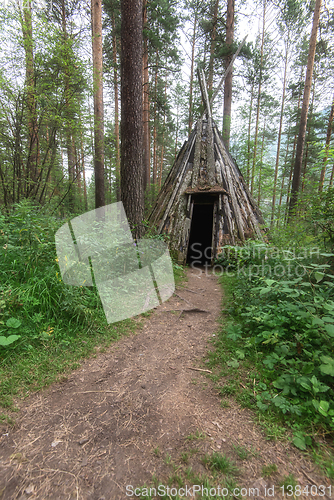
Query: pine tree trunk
pixel 328 140
pixel 293 151
pixel 249 135
pixel 212 46
pixel 190 121
pixel 68 131
pixel 304 112
pixel 32 160
pixel 132 113
pixel 279 137
pixel 163 136
pixel 118 158
pixel 83 173
pixel 155 162
pixel 146 106
pixel 258 99
pixel 96 10
pixel 228 79
pixel 261 162
pixel 307 139
pixel 283 177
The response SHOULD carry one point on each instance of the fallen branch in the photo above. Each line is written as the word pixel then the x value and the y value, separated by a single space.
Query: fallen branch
pixel 88 392
pixel 199 369
pixel 310 479
pixel 194 309
pixel 183 299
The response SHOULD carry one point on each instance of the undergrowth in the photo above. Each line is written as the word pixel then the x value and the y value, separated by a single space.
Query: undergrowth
pixel 278 344
pixel 46 326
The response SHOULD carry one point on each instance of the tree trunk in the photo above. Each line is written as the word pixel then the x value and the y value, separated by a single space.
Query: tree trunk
pixel 96 10
pixel 190 122
pixel 304 112
pixel 261 163
pixel 155 161
pixel 212 46
pixel 118 158
pixel 307 139
pixel 258 99
pixel 146 106
pixel 293 152
pixel 328 140
pixel 83 173
pixel 69 117
pixel 132 113
pixel 163 136
pixel 249 135
pixel 279 137
pixel 32 160
pixel 283 177
pixel 228 79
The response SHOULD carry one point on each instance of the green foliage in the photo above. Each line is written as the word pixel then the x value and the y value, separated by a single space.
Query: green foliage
pixel 322 215
pixel 283 318
pixel 41 318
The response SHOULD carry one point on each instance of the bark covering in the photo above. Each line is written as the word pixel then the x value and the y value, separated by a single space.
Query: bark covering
pixel 132 189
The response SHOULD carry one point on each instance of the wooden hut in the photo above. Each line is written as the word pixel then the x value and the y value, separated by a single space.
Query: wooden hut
pixel 204 203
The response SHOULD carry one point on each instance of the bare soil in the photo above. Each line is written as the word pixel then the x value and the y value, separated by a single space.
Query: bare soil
pixel 143 410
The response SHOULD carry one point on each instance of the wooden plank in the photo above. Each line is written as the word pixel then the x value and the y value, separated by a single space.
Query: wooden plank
pixel 226 171
pixel 197 155
pixel 204 92
pixel 178 184
pixel 229 220
pixel 210 155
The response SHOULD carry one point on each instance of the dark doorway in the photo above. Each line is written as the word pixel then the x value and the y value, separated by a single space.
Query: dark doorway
pixel 200 240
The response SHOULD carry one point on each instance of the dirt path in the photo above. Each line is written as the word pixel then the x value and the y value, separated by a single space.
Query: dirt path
pixel 139 410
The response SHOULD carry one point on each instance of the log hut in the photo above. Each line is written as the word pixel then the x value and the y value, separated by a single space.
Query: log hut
pixel 204 203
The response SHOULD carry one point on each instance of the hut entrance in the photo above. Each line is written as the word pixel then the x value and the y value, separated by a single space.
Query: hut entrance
pixel 200 240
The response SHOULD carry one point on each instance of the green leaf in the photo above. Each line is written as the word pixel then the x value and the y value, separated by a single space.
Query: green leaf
pixel 318 276
pixel 328 365
pixel 299 441
pixel 330 330
pixel 329 307
pixel 265 290
pixel 317 321
pixel 233 363
pixel 13 323
pixel 323 408
pixel 4 341
pixel 270 282
pixel 328 319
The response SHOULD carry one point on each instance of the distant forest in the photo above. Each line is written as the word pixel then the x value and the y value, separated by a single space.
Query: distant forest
pixel 61 101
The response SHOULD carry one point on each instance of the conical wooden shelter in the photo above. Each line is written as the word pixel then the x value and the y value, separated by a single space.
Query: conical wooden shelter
pixel 204 203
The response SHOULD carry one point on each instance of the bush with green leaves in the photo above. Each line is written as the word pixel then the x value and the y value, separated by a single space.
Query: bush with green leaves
pixel 35 305
pixel 287 321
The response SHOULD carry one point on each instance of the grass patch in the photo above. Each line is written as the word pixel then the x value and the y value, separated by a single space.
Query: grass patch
pixel 37 368
pixel 197 435
pixel 242 452
pixel 268 470
pixel 221 463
